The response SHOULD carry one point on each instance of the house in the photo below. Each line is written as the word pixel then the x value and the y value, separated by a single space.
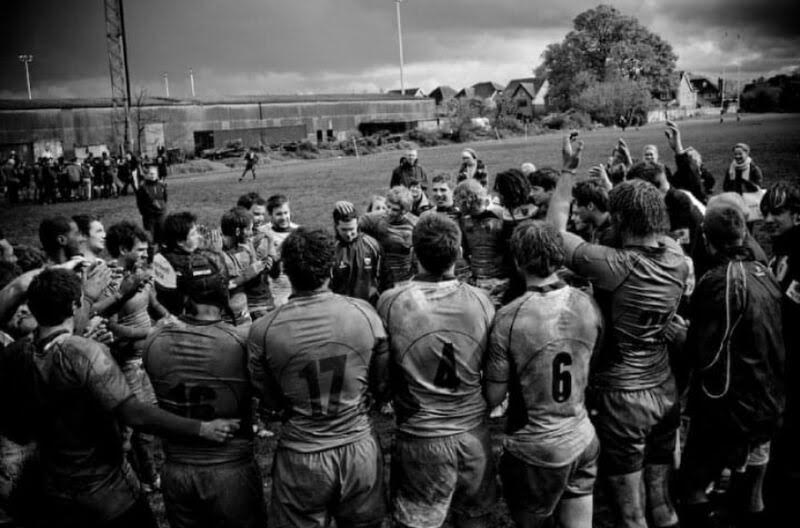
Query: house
pixel 413 92
pixel 682 95
pixel 529 94
pixel 708 93
pixel 442 94
pixel 483 90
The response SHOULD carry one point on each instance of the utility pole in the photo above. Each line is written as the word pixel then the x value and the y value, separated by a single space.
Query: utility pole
pixel 166 83
pixel 191 80
pixel 400 44
pixel 25 59
pixel 118 68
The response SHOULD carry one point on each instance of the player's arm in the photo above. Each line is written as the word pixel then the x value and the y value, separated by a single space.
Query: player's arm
pixel 379 383
pixel 497 369
pixel 14 293
pixel 560 202
pixel 265 386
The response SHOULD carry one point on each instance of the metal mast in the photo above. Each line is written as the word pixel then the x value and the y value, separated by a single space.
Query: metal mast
pixel 118 68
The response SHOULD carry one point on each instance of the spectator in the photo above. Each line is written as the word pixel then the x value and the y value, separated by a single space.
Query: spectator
pixel 743 175
pixel 408 170
pixel 420 202
pixel 151 200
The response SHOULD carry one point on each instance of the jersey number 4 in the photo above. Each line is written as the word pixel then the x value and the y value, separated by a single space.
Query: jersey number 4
pixel 311 373
pixel 446 374
pixel 562 379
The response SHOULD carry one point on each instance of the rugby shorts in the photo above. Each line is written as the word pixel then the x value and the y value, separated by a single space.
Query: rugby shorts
pixel 536 490
pixel 636 427
pixel 345 483
pixel 215 495
pixel 433 475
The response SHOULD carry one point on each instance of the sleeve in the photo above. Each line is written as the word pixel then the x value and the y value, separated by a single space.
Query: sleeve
pixel 606 267
pixel 707 320
pixel 756 176
pixel 256 362
pixel 498 366
pixel 103 377
pixel 395 180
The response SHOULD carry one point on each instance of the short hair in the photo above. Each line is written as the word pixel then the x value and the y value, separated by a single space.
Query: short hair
pixel 537 248
pixel 513 188
pixel 122 236
pixel 249 200
pixel 413 182
pixel 780 197
pixel 275 201
pixel 401 196
pixel 49 231
pixel 468 194
pixel 744 146
pixel 52 296
pixel 236 218
pixel 84 222
pixel 29 257
pixel 546 178
pixel 724 227
pixel 339 216
pixel 639 208
pixel 728 199
pixel 307 256
pixel 587 191
pixel 648 171
pixel 443 177
pixel 437 241
pixel 177 227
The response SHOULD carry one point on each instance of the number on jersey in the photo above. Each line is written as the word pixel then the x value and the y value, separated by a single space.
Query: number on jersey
pixel 311 373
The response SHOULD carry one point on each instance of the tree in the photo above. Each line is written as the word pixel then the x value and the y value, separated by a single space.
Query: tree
pixel 605 45
pixel 606 101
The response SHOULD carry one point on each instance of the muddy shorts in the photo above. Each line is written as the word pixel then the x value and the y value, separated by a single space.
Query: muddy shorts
pixel 433 475
pixel 344 483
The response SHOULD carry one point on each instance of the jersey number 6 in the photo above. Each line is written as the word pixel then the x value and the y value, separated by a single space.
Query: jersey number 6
pixel 562 379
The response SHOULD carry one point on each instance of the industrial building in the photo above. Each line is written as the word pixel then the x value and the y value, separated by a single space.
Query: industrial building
pixel 72 126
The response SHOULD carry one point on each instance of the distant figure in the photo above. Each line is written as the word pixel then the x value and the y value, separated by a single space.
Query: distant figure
pixel 151 199
pixel 162 163
pixel 622 122
pixel 409 170
pixel 250 162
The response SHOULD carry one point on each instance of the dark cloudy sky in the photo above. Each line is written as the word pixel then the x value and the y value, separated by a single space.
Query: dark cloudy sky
pixel 305 46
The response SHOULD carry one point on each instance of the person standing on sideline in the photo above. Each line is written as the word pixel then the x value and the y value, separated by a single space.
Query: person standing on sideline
pixel 250 162
pixel 151 199
pixel 409 170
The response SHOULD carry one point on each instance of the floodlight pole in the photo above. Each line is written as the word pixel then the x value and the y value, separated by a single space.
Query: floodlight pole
pixel 25 59
pixel 400 44
pixel 166 83
pixel 191 80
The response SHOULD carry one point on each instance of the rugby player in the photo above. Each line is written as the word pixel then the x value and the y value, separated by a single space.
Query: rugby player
pixel 357 262
pixel 543 183
pixel 259 292
pixel 419 200
pixel 241 262
pixel 280 227
pixel 539 351
pixel 82 397
pixel 639 287
pixel 484 240
pixel 590 214
pixel 199 369
pixel 439 329
pixel 735 342
pixel 443 203
pixel 314 359
pixel 392 229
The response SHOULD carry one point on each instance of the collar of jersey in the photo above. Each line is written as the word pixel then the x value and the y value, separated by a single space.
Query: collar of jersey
pixel 547 287
pixel 307 294
pixel 430 277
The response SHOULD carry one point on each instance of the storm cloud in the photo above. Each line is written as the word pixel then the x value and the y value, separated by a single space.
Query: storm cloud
pixel 289 46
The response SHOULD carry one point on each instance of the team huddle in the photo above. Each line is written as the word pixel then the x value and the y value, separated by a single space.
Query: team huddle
pixel 599 315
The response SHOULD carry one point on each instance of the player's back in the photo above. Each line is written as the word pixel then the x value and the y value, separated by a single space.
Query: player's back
pixel 438 334
pixel 316 351
pixel 199 370
pixel 549 336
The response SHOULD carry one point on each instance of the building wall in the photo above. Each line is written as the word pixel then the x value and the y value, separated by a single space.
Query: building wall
pixel 76 128
pixel 687 97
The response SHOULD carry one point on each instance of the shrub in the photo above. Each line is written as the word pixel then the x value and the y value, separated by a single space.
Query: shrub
pixel 606 101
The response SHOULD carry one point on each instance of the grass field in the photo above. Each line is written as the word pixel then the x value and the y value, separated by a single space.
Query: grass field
pixel 313 187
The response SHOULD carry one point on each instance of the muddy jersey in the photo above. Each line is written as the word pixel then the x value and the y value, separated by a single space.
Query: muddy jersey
pixel 395 240
pixel 199 371
pixel 541 345
pixel 259 293
pixel 484 244
pixel 438 334
pixel 80 445
pixel 312 357
pixel 356 267
pixel 639 289
pixel 237 263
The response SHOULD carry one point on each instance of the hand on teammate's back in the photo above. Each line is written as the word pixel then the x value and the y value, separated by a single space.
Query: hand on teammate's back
pixel 219 430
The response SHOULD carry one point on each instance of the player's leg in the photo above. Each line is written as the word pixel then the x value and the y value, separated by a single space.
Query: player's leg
pixel 532 493
pixel 476 487
pixel 746 492
pixel 659 458
pixel 362 501
pixel 234 495
pixel 303 485
pixel 423 480
pixel 577 503
pixel 181 502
